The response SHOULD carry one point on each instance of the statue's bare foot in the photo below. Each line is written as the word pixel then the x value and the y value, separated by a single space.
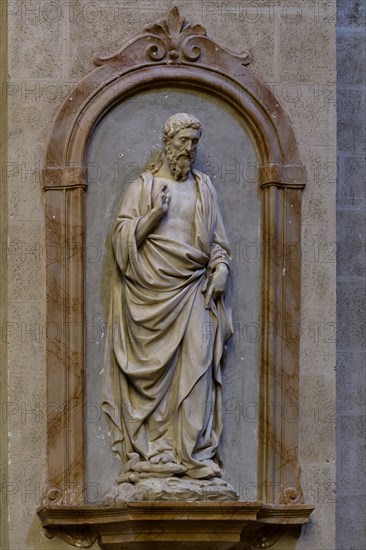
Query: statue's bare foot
pixel 162 458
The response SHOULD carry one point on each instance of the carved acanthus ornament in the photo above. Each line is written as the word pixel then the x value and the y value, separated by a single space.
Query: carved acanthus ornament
pixel 174 32
pixel 173 41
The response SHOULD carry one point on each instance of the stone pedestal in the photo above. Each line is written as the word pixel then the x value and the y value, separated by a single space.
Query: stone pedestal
pixel 163 525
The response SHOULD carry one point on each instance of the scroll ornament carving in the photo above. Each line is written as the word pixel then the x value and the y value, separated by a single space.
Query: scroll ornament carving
pixel 291 495
pixel 173 40
pixel 82 537
pixel 174 31
pixel 53 495
pixel 268 535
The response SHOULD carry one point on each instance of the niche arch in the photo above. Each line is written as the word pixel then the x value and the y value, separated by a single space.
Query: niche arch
pixel 174 53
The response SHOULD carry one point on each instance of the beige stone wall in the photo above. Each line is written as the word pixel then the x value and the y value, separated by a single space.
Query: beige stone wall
pixel 50 49
pixel 3 278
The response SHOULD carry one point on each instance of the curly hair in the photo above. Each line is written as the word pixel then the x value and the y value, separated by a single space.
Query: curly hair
pixel 180 121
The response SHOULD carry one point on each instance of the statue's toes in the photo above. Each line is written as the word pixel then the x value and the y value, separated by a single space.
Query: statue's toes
pixel 162 458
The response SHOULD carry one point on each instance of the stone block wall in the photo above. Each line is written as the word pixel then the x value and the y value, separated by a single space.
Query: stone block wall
pixel 351 276
pixel 50 46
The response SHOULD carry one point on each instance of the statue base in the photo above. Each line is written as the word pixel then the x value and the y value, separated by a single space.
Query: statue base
pixel 172 489
pixel 178 525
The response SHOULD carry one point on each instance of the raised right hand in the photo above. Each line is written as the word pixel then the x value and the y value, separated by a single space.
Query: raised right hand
pixel 161 200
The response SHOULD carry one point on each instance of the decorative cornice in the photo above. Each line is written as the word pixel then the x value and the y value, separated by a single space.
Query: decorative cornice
pixel 64 177
pixel 173 41
pixel 256 524
pixel 292 176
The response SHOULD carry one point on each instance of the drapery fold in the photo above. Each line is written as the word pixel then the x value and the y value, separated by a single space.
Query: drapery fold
pixel 162 381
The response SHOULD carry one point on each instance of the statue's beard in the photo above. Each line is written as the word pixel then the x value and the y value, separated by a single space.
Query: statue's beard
pixel 180 164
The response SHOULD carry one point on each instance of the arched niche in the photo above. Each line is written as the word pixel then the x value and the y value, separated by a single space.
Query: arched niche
pixel 117 153
pixel 174 54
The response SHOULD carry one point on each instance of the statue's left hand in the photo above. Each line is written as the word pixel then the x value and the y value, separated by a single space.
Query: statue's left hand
pixel 215 286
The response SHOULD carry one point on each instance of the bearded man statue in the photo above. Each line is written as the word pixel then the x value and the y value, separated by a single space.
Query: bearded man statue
pixel 170 323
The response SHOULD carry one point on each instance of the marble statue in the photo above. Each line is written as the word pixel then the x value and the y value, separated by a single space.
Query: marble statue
pixel 162 390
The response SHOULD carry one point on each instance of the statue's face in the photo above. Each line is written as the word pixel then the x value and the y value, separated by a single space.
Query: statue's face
pixel 181 152
pixel 185 141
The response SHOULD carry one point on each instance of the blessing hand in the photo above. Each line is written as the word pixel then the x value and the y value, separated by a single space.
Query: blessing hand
pixel 215 285
pixel 161 200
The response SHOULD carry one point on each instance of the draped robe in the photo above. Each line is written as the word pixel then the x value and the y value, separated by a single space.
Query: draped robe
pixel 162 385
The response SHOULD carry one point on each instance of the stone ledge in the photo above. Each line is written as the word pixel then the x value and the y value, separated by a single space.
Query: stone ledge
pixel 159 525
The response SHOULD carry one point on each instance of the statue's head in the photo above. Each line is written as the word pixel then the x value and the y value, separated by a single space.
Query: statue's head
pixel 180 139
pixel 180 121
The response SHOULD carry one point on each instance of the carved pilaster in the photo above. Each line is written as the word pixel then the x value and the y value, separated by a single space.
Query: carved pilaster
pixel 65 331
pixel 279 384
